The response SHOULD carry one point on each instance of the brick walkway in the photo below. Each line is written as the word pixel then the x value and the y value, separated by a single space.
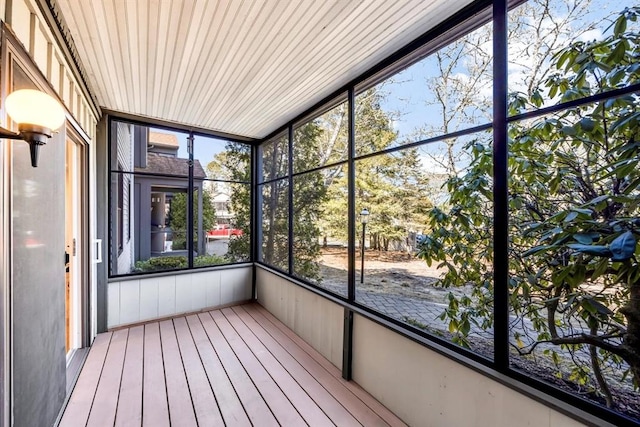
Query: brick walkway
pixel 424 314
pixel 413 310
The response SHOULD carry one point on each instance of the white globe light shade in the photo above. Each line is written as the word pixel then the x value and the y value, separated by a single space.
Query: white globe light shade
pixel 28 106
pixel 364 216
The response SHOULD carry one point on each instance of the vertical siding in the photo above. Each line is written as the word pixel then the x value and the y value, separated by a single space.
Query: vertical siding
pixel 125 160
pixel 141 299
pixel 317 320
pixel 425 388
pixel 32 31
pixel 37 276
pixel 38 221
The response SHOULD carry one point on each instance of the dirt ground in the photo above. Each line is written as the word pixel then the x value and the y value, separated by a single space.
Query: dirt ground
pixel 396 273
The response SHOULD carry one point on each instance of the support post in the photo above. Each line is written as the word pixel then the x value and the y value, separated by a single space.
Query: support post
pixel 364 226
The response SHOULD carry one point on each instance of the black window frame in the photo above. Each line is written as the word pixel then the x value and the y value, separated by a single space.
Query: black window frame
pixel 464 21
pixel 114 118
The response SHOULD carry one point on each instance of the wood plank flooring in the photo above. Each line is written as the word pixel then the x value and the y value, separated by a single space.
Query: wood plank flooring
pixel 237 366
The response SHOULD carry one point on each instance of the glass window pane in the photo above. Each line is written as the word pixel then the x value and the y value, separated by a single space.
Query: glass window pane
pixel 149 150
pixel 323 140
pixel 238 214
pixel 153 213
pixel 320 228
pixel 223 160
pixel 149 201
pixel 275 224
pixel 447 91
pixel 574 190
pixel 226 223
pixel 426 240
pixel 547 39
pixel 275 158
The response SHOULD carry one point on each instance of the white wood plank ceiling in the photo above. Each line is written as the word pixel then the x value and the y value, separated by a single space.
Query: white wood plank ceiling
pixel 243 67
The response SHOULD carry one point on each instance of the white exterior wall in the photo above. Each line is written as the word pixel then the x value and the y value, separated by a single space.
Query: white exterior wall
pixel 141 299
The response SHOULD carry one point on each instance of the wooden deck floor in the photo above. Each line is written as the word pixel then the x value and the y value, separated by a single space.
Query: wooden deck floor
pixel 237 366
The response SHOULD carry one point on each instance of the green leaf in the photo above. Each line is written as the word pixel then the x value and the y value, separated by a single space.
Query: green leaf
pixel 620 26
pixel 598 199
pixel 617 55
pixel 453 326
pixel 571 216
pixel 537 249
pixel 623 247
pixel 593 306
pixel 465 327
pixel 587 124
pixel 591 249
pixel 583 238
pixel 600 269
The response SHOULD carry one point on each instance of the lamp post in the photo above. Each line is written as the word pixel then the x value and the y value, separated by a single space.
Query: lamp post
pixel 364 218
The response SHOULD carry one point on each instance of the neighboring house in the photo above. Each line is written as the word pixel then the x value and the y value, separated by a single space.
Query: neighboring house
pixel 159 174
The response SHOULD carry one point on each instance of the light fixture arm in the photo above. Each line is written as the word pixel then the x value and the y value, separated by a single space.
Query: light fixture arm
pixel 7 134
pixel 34 135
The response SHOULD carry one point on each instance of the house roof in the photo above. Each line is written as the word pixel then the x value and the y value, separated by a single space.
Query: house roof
pixel 162 139
pixel 166 165
pixel 238 67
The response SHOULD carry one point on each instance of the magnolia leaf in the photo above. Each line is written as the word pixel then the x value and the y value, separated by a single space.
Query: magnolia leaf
pixel 587 124
pixel 623 247
pixel 453 326
pixel 583 238
pixel 591 249
pixel 617 54
pixel 571 216
pixel 569 130
pixel 593 307
pixel 620 25
pixel 537 249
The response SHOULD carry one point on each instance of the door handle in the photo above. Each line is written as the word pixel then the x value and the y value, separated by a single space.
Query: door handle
pixel 98 247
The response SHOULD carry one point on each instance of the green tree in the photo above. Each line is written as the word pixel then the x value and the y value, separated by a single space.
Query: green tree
pixel 274 208
pixel 574 207
pixel 178 215
pixel 233 165
pixel 460 80
pixel 391 186
pixel 309 195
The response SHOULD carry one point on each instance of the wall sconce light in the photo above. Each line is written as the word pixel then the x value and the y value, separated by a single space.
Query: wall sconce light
pixel 37 115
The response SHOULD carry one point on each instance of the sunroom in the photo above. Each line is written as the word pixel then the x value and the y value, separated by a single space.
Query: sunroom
pixel 340 213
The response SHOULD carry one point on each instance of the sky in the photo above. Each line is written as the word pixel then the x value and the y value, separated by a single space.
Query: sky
pixel 409 95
